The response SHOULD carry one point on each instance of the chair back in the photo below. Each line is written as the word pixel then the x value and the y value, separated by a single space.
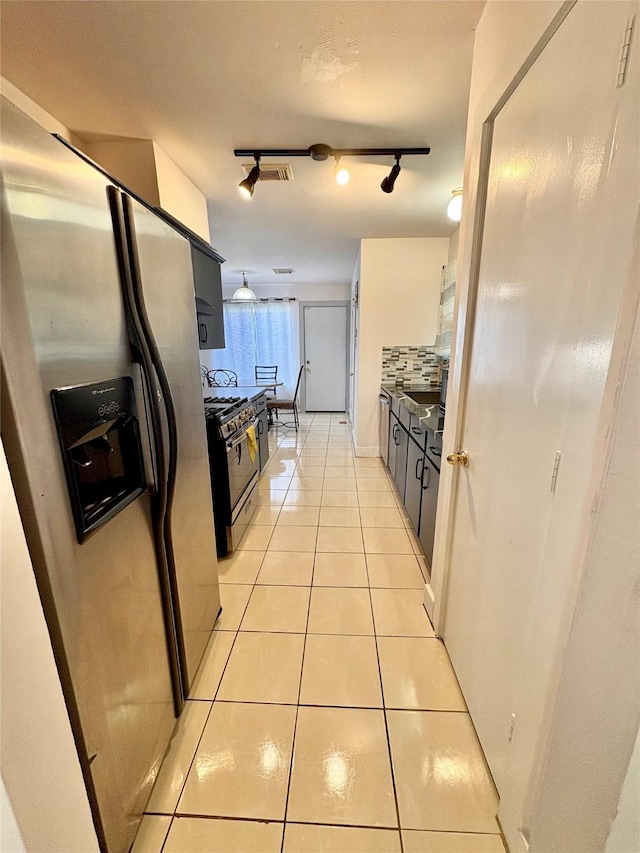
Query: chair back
pixel 266 373
pixel 295 396
pixel 223 378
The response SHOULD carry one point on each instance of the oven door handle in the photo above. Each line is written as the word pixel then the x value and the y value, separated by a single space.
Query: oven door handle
pixel 242 437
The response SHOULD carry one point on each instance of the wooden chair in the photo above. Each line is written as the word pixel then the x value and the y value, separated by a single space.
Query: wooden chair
pixel 223 378
pixel 288 405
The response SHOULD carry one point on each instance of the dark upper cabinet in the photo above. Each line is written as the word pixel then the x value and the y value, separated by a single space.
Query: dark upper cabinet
pixel 207 279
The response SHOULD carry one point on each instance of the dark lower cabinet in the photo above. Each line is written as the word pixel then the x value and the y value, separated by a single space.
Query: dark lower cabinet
pixel 394 428
pixel 413 488
pixel 427 527
pixel 400 473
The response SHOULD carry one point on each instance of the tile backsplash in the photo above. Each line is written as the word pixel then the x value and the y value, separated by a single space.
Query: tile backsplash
pixel 410 365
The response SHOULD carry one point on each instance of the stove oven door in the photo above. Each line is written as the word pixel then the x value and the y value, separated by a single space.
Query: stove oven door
pixel 242 464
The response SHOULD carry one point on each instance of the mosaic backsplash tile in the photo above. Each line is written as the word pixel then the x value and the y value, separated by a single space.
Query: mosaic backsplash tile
pixel 445 318
pixel 412 366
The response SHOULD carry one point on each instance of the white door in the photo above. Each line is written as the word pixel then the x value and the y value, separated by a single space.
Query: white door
pixel 353 352
pixel 560 211
pixel 325 358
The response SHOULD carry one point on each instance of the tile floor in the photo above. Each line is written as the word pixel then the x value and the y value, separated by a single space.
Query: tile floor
pixel 326 717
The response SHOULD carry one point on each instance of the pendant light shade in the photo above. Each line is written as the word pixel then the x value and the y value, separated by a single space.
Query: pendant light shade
pixel 244 293
pixel 454 208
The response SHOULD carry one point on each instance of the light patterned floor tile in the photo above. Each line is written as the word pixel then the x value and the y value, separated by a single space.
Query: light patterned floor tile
pixel 151 834
pixel 340 484
pixel 340 611
pixel 240 566
pixel 341 670
pixel 256 538
pixel 293 538
pixel 341 540
pixel 275 497
pixel 305 838
pixel 241 767
pixel 339 498
pixel 309 497
pixel 207 835
pixel 233 598
pixel 307 483
pixel 457 794
pixel 386 540
pixel 265 514
pixel 277 608
pixel 417 674
pixel 339 471
pixel 341 772
pixel 339 516
pixel 175 766
pixel 377 499
pixel 381 517
pixel 299 516
pixel 400 613
pixel 394 571
pixel 289 568
pixel 212 665
pixel 340 570
pixel 374 484
pixel 415 841
pixel 263 668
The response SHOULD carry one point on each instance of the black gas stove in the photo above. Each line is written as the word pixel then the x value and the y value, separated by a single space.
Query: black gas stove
pixel 229 413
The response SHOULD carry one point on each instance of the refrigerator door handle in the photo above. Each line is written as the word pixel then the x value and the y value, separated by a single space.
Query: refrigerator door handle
pixel 159 403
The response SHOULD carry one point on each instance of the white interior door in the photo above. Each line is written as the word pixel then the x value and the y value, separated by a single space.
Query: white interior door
pixel 353 351
pixel 325 358
pixel 560 210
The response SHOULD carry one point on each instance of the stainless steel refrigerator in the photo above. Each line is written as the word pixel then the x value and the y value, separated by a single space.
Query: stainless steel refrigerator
pixel 103 426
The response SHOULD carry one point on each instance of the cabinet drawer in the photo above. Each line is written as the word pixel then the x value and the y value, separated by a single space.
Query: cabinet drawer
pixel 417 432
pixel 433 448
pixel 404 417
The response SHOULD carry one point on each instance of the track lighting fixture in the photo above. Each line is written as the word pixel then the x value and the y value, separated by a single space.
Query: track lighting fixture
pixel 322 152
pixel 388 183
pixel 244 293
pixel 247 186
pixel 342 174
pixel 454 208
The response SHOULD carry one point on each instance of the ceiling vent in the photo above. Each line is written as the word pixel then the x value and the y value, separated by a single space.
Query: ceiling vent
pixel 271 171
pixel 283 271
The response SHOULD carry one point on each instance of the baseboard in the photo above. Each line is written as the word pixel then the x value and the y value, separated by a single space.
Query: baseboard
pixel 429 600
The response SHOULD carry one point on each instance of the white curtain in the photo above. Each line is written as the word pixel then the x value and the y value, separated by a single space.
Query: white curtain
pixel 259 333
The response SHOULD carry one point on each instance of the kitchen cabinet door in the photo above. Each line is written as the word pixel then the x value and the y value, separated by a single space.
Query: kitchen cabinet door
pixel 413 488
pixel 394 428
pixel 207 280
pixel 400 475
pixel 427 531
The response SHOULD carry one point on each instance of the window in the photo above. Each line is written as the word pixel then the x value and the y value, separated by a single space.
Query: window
pixel 259 333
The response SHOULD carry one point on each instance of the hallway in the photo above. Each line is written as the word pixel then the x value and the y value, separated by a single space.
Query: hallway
pixel 323 654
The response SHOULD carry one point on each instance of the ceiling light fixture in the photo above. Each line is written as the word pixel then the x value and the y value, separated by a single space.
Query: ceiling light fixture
pixel 322 152
pixel 388 183
pixel 244 293
pixel 247 186
pixel 342 174
pixel 454 208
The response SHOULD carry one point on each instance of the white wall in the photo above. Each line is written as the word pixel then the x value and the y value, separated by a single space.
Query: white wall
pixel 40 766
pixel 625 831
pixel 398 306
pixel 454 241
pixel 180 196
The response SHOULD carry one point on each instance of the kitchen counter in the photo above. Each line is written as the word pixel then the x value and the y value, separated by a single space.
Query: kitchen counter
pixel 429 415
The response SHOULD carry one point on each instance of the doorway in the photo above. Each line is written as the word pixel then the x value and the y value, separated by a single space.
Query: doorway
pixel 324 348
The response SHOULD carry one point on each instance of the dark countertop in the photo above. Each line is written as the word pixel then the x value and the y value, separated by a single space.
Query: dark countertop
pixel 429 415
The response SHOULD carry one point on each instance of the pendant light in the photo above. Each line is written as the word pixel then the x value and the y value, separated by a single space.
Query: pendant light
pixel 244 293
pixel 454 208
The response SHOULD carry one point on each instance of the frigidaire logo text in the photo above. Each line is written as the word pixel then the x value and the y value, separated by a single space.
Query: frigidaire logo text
pixel 102 390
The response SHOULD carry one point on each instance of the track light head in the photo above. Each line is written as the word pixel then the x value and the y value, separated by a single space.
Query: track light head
pixel 248 185
pixel 388 183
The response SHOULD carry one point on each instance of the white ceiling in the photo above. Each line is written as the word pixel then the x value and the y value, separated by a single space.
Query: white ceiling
pixel 203 78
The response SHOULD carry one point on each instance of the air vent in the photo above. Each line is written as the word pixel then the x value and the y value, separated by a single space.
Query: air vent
pixel 284 271
pixel 271 171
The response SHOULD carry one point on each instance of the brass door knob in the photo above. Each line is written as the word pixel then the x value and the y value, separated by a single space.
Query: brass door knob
pixel 458 458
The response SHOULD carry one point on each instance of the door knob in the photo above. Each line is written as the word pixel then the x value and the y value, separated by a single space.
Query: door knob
pixel 460 457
